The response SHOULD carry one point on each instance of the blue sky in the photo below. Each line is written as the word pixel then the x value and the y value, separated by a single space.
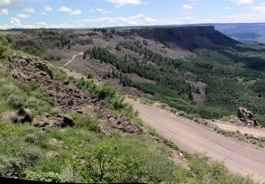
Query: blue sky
pixel 105 13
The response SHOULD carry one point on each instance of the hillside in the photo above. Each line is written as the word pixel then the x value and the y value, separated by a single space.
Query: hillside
pixel 60 126
pixel 194 69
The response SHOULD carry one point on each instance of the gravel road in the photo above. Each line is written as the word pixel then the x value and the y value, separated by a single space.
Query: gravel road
pixel 240 158
pixel 73 58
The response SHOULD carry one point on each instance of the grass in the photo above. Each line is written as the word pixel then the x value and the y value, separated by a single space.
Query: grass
pixel 126 158
pixel 84 154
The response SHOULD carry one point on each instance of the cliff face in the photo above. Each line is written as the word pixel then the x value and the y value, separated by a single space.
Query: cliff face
pixel 190 38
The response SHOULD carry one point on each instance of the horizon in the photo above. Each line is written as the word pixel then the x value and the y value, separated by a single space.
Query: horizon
pixel 129 27
pixel 35 14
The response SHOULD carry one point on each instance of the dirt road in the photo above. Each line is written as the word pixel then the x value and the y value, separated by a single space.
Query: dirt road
pixel 73 58
pixel 238 157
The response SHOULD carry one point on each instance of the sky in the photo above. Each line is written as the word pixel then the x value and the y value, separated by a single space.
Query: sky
pixel 108 13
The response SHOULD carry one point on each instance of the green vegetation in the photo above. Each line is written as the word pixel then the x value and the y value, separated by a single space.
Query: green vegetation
pixel 82 153
pixel 234 77
pixel 233 74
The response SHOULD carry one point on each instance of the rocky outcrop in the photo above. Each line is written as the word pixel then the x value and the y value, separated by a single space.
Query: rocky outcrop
pixel 66 96
pixel 58 121
pixel 49 33
pixel 22 115
pixel 199 95
pixel 246 116
pixel 124 125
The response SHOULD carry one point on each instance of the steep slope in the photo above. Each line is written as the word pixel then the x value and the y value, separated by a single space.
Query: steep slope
pixel 91 146
pixel 194 69
pixel 189 38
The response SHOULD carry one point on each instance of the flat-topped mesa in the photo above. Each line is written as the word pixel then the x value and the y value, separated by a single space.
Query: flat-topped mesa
pixel 188 37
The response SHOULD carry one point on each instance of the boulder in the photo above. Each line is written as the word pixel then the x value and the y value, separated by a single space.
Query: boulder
pixel 105 130
pixel 246 116
pixel 249 136
pixel 51 154
pixel 58 121
pixel 22 115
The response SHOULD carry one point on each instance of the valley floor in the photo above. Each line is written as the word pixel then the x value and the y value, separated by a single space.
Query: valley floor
pixel 238 157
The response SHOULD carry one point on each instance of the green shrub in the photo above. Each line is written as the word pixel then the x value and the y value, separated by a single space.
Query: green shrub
pixel 15 101
pixel 30 153
pixel 90 76
pixel 9 89
pixel 45 165
pixel 9 164
pixel 32 103
pixel 56 110
pixel 105 91
pixel 44 177
pixel 36 137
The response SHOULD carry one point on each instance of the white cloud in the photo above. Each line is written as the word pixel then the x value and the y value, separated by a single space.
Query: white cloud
pixel 243 18
pixel 48 9
pixel 76 12
pixel 23 16
pixel 227 8
pixel 136 20
pixel 120 3
pixel 4 12
pixel 29 10
pixel 44 13
pixel 66 9
pixel 243 1
pixel 15 22
pixel 101 11
pixel 6 3
pixel 46 25
pixel 187 7
pixel 260 9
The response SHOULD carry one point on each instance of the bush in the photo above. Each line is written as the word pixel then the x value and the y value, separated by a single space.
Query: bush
pixel 44 177
pixel 30 154
pixel 36 137
pixel 15 101
pixel 90 76
pixel 9 89
pixel 105 91
pixel 56 110
pixel 9 164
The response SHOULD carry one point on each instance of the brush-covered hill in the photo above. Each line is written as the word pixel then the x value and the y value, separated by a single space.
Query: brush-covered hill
pixel 195 69
pixel 57 125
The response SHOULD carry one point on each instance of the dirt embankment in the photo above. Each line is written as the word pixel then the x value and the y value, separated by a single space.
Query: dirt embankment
pixel 237 156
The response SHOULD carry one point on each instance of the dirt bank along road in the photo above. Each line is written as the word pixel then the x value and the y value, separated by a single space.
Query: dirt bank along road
pixel 238 157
